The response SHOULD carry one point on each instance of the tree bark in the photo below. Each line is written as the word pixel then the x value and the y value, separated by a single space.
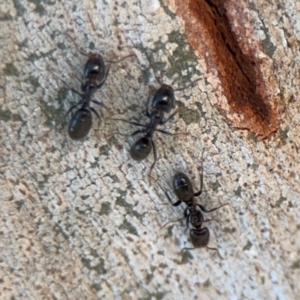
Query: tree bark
pixel 81 219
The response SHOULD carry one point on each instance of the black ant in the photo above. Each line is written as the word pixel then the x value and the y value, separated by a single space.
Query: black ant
pixel 184 191
pixel 96 74
pixel 162 103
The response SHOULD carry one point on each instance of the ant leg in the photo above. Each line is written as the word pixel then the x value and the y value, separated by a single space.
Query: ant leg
pixel 209 220
pixel 187 216
pixel 193 82
pixel 129 122
pixel 215 249
pixel 164 132
pixel 186 248
pixel 72 107
pixel 168 196
pixel 98 117
pixel 169 118
pixel 138 131
pixel 155 158
pixel 135 123
pixel 169 133
pixel 74 91
pixel 71 89
pixel 99 103
pixel 134 133
pixel 203 208
pixel 185 212
pixel 176 203
pixel 66 114
pixel 77 47
pixel 95 112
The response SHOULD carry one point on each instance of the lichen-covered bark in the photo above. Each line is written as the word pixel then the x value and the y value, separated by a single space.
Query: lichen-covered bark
pixel 80 220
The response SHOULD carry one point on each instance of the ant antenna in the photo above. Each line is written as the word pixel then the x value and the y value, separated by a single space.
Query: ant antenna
pixel 117 61
pixel 184 88
pixel 173 221
pixel 77 47
pixel 159 78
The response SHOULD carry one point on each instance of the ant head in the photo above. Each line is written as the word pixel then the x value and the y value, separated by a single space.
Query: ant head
pixel 183 187
pixel 94 67
pixel 164 99
pixel 80 124
pixel 141 148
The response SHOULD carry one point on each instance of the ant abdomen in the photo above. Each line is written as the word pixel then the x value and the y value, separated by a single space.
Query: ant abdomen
pixel 199 237
pixel 141 149
pixel 80 124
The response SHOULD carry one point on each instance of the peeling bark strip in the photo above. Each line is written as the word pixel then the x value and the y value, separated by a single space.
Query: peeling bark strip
pixel 208 30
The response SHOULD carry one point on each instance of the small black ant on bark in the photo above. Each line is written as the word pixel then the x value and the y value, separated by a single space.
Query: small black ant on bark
pixel 96 74
pixel 184 191
pixel 162 103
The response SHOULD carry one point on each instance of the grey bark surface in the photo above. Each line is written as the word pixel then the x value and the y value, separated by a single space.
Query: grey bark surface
pixel 80 220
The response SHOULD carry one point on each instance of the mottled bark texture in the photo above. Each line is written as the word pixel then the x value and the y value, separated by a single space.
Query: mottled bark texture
pixel 80 219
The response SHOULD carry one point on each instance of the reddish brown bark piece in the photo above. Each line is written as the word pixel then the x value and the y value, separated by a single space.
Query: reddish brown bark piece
pixel 208 31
